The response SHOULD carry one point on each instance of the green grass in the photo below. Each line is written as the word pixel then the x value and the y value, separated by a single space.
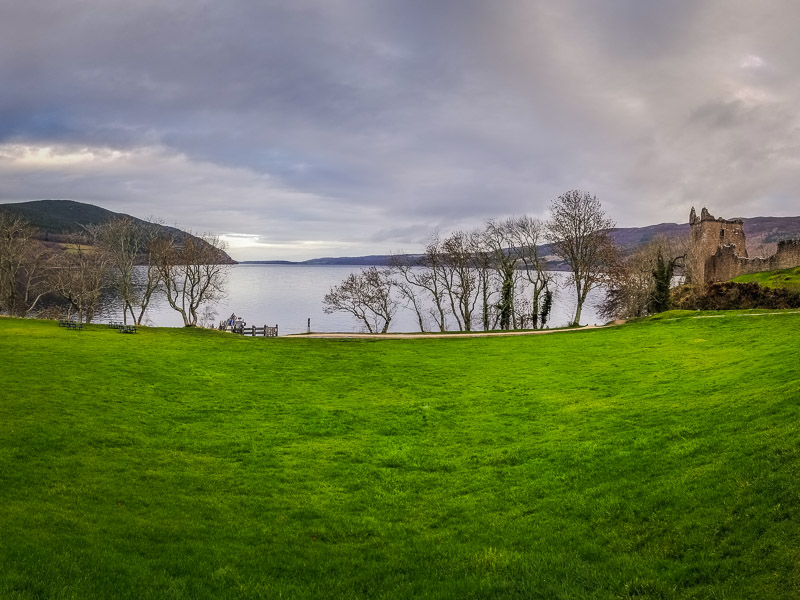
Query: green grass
pixel 655 460
pixel 785 278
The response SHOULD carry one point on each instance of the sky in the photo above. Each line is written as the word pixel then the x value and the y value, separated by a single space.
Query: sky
pixel 300 129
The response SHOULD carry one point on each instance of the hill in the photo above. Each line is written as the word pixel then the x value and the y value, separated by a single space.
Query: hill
pixel 785 278
pixel 57 218
pixel 763 235
pixel 64 217
pixel 61 216
pixel 653 460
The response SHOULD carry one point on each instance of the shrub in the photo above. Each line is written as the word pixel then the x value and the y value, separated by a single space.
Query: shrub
pixel 728 295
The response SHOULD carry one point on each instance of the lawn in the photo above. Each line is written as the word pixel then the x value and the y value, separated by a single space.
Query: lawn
pixel 785 278
pixel 659 459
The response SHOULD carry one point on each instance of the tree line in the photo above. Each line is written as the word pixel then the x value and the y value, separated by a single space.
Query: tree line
pixel 495 277
pixel 126 260
pixel 491 277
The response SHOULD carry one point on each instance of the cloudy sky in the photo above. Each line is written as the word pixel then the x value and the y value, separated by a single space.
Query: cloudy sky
pixel 309 128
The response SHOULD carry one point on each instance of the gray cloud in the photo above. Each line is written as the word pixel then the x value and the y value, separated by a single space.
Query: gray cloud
pixel 356 126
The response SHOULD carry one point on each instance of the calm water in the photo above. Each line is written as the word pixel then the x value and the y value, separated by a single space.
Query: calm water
pixel 288 295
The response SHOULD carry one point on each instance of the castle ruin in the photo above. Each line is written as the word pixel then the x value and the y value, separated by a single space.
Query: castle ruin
pixel 719 251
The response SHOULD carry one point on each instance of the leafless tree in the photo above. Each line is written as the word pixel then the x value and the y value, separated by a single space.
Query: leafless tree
pixel 485 267
pixel 192 272
pixel 500 238
pixel 578 228
pixel 79 275
pixel 24 265
pixel 460 276
pixel 367 296
pixel 128 243
pixel 434 260
pixel 413 284
pixel 527 235
pixel 633 279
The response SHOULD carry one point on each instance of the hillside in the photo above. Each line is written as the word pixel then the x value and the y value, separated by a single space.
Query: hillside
pixel 653 460
pixel 785 278
pixel 763 235
pixel 61 216
pixel 57 218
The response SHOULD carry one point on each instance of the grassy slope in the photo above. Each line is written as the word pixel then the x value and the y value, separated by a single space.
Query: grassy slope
pixel 785 278
pixel 657 460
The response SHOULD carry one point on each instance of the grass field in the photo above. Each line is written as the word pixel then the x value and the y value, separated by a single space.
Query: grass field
pixel 785 278
pixel 654 460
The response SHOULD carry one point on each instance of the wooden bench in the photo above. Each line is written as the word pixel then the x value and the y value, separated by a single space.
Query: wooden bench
pixel 127 328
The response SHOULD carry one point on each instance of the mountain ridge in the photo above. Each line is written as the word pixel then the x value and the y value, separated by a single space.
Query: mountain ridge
pixel 763 235
pixel 69 217
pixel 57 218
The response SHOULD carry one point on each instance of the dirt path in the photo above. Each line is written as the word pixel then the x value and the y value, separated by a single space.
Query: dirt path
pixel 412 336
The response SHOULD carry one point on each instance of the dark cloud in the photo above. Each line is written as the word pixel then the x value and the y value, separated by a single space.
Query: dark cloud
pixel 315 125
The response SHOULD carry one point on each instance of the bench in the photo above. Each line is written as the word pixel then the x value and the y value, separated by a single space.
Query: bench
pixel 127 328
pixel 74 326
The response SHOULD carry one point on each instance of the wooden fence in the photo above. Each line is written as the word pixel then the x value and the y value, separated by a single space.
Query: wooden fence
pixel 254 331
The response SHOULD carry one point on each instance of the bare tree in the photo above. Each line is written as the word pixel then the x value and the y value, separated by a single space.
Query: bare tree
pixel 639 283
pixel 127 242
pixel 460 276
pixel 192 272
pixel 79 276
pixel 412 284
pixel 485 266
pixel 24 264
pixel 367 296
pixel 434 260
pixel 499 236
pixel 527 234
pixel 578 228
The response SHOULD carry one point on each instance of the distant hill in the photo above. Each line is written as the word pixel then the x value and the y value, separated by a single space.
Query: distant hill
pixel 61 216
pixel 67 217
pixel 763 235
pixel 631 237
pixel 55 218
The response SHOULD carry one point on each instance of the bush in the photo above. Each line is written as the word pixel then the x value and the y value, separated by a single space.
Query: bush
pixel 728 295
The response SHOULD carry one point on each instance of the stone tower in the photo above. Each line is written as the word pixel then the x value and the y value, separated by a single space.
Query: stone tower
pixel 708 235
pixel 718 252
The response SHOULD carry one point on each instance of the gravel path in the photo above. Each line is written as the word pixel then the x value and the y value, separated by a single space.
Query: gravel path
pixel 412 336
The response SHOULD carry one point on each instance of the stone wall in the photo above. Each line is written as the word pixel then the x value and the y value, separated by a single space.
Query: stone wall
pixel 720 252
pixel 787 256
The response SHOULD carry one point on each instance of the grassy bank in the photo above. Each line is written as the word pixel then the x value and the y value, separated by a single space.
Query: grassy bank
pixel 784 278
pixel 655 460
